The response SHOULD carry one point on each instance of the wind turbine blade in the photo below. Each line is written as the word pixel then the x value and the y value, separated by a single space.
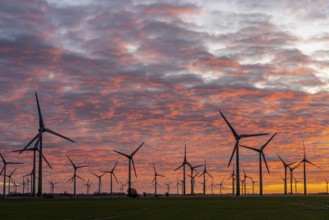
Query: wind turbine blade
pixel 59 135
pixel 262 148
pixel 229 177
pixel 70 179
pixel 115 178
pixel 210 175
pixel 82 166
pixel 94 174
pixel 14 163
pixel 153 180
pixel 70 161
pixel 265 162
pixel 228 123
pixel 251 148
pixel 80 177
pixel 281 160
pixel 41 124
pixel 161 175
pixel 36 136
pixel 2 170
pixel 12 172
pixel 121 153
pixel 154 169
pixel 291 163
pixel 137 149
pixel 307 161
pixel 229 163
pixel 3 159
pixel 114 166
pixel 179 167
pixel 197 166
pixel 252 135
pixel 43 156
pixel 132 161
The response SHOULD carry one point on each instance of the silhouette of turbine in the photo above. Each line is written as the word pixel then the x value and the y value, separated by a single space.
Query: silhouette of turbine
pixel 236 150
pixel 204 173
pixel 185 162
pixel 99 180
pixel 74 177
pixel 221 187
pixel 130 162
pixel 304 161
pixel 34 149
pixel 4 171
pixel 296 182
pixel 111 172
pixel 193 168
pixel 42 129
pixel 261 155
pixel 168 187
pixel 155 180
pixel 232 176
pixel 285 165
pixel 291 169
pixel 11 179
pixel 52 186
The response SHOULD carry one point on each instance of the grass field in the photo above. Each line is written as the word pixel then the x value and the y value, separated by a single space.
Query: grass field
pixel 274 207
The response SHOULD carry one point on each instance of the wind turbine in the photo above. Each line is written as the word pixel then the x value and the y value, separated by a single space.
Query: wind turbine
pixel 42 129
pixel 212 186
pixel 244 181
pixel 304 161
pixel 24 183
pixel 325 179
pixel 193 168
pixel 261 155
pixel 204 173
pixel 130 161
pixel 52 186
pixel 111 172
pixel 99 180
pixel 88 184
pixel 193 182
pixel 232 176
pixel 122 186
pixel 253 185
pixel 4 171
pixel 291 169
pixel 34 149
pixel 285 165
pixel 15 186
pixel 221 187
pixel 74 177
pixel 177 186
pixel 185 162
pixel 30 181
pixel 11 179
pixel 168 187
pixel 236 150
pixel 296 182
pixel 155 180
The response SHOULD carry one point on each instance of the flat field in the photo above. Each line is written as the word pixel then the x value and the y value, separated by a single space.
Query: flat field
pixel 262 208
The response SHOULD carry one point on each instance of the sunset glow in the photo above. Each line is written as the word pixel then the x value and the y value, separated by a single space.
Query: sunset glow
pixel 113 74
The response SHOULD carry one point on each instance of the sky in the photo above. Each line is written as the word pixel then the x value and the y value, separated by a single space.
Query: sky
pixel 113 74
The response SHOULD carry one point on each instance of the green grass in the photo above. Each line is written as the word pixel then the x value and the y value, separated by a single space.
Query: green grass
pixel 311 207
